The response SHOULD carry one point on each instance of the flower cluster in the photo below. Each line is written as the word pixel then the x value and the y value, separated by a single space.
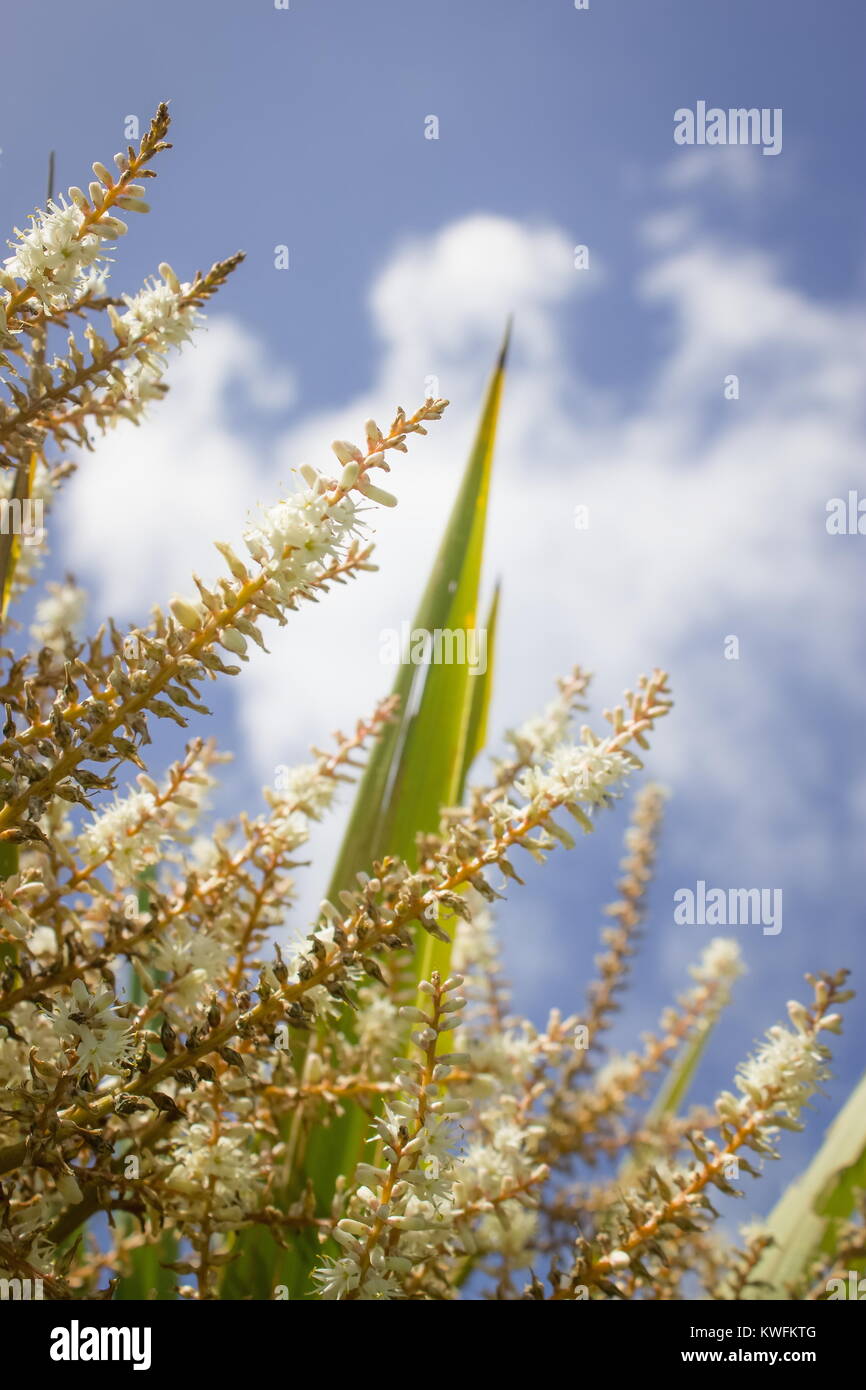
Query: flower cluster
pixel 54 257
pixel 409 1195
pixel 162 315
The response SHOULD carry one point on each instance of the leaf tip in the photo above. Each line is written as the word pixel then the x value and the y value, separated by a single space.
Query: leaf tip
pixel 506 343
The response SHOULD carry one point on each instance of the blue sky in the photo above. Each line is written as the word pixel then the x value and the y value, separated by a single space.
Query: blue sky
pixel 306 128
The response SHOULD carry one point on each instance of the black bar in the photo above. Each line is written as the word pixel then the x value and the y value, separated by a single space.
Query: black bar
pixel 652 1338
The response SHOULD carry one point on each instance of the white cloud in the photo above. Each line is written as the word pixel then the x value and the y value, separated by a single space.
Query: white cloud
pixel 445 296
pixel 143 510
pixel 738 168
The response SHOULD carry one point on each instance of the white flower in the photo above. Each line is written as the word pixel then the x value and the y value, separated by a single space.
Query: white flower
pixel 192 957
pixel 51 258
pixel 90 1023
pixel 217 1164
pixel 509 1231
pixel 721 962
pixel 336 1278
pixel 297 535
pixel 158 310
pixel 585 774
pixel 158 316
pixel 94 282
pixel 785 1071
pixel 291 830
pixel 36 1030
pixel 380 1028
pixel 617 1072
pixel 127 832
pixel 305 788
pixel 538 736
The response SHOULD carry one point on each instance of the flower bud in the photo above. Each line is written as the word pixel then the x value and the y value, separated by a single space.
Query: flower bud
pixel 346 452
pixel 233 641
pixel 416 1015
pixel 417 1145
pixel 798 1015
pixel 112 227
pixel 187 614
pixel 830 1023
pixel 354 1228
pixel 169 277
pixel 237 568
pixel 377 494
pixel 450 1107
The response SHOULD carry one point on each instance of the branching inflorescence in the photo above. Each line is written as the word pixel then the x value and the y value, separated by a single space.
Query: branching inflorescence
pixel 164 1049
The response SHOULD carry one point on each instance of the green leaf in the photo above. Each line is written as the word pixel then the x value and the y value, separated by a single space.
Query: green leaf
pixel 403 785
pixel 417 766
pixel 806 1219
pixel 147 1278
pixel 677 1084
pixel 481 694
pixel 8 858
pixel 432 954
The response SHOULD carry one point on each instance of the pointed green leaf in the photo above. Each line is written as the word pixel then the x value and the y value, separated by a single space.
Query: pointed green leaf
pixel 481 693
pixel 677 1084
pixel 806 1218
pixel 404 786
